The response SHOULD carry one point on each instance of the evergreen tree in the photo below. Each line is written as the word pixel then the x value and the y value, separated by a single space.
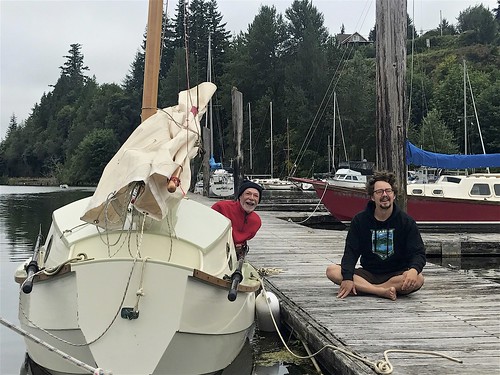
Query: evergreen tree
pixel 91 156
pixel 306 78
pixel 446 28
pixel 434 135
pixel 12 125
pixel 74 66
pixel 479 22
pixel 496 11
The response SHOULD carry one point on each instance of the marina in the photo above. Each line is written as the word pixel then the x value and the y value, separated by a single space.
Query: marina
pixel 455 313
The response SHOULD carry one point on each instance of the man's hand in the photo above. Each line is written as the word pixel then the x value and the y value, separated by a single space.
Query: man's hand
pixel 346 287
pixel 410 279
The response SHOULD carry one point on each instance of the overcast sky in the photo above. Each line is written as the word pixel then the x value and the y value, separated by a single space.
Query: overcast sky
pixel 36 34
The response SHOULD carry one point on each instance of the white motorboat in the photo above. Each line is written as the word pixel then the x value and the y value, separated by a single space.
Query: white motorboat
pixel 348 178
pixel 221 183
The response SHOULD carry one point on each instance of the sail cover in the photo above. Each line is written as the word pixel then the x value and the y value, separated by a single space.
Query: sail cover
pixel 417 156
pixel 161 147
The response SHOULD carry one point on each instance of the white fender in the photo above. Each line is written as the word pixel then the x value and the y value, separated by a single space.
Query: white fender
pixel 262 303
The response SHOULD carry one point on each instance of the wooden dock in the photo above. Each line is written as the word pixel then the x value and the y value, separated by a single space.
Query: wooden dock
pixel 454 313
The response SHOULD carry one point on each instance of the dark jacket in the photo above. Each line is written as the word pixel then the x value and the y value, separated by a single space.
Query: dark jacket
pixel 384 246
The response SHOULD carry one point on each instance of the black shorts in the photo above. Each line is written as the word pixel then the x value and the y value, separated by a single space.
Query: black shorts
pixel 376 278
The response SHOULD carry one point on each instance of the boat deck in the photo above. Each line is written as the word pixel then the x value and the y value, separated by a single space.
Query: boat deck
pixel 454 313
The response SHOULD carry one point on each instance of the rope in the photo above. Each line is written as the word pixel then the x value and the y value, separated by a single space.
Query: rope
pixel 317 206
pixel 269 271
pixel 77 362
pixel 140 291
pixel 117 312
pixel 383 367
pixel 55 270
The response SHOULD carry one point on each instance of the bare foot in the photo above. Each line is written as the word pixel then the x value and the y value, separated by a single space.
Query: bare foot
pixel 389 293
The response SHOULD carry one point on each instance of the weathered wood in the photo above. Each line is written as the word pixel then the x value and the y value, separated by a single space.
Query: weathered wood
pixel 206 135
pixel 237 116
pixel 392 112
pixel 454 313
pixel 152 60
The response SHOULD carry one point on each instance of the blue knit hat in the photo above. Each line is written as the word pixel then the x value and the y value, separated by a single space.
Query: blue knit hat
pixel 247 184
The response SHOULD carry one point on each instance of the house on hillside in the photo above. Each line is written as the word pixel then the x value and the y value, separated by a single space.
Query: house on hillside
pixel 348 39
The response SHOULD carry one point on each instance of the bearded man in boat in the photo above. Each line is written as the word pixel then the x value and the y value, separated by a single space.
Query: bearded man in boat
pixel 244 220
pixel 387 242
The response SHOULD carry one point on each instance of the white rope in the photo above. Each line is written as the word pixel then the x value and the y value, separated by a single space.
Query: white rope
pixel 116 314
pixel 317 206
pixel 140 291
pixel 383 367
pixel 76 362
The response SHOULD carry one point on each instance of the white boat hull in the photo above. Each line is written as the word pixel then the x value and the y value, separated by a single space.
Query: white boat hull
pixel 185 323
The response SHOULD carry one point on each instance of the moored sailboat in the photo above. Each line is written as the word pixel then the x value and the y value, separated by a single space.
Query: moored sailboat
pixel 139 279
pixel 471 201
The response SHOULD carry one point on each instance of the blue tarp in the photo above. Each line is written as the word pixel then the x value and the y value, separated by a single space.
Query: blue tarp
pixel 417 156
pixel 213 164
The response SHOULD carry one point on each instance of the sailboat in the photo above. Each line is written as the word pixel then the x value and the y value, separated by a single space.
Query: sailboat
pixel 139 279
pixel 221 179
pixel 271 182
pixel 452 201
pixel 455 202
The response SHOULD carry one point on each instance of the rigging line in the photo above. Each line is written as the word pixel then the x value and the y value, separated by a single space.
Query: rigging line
pixel 163 31
pixel 186 43
pixel 342 133
pixel 323 105
pixel 475 113
pixel 188 83
pixel 411 72
pixel 366 9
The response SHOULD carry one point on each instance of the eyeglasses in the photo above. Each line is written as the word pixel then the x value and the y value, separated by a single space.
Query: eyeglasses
pixel 382 191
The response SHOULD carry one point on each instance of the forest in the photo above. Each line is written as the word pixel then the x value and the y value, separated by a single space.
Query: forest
pixel 312 78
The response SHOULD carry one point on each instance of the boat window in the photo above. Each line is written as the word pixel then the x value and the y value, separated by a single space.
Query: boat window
pixel 437 192
pixel 348 177
pixel 496 187
pixel 47 250
pixel 417 191
pixel 354 178
pixel 455 180
pixel 480 189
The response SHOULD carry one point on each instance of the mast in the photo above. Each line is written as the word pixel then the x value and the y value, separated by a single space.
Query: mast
pixel 466 75
pixel 271 116
pixel 152 59
pixel 209 79
pixel 287 148
pixel 250 135
pixel 465 111
pixel 333 131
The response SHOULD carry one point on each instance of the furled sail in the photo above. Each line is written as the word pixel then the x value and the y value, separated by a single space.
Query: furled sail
pixel 417 156
pixel 159 150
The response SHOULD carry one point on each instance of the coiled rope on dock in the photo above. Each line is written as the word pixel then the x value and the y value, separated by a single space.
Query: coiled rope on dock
pixel 382 366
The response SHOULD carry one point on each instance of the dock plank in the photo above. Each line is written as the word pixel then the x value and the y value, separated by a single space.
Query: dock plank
pixel 454 313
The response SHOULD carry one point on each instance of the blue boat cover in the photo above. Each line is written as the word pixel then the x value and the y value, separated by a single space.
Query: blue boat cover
pixel 213 164
pixel 417 156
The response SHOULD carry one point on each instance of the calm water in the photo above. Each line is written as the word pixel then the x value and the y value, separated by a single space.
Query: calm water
pixel 23 211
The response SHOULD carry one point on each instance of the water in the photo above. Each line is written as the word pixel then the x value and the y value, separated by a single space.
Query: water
pixel 24 211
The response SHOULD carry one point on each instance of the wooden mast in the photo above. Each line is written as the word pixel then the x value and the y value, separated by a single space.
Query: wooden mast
pixel 392 113
pixel 152 59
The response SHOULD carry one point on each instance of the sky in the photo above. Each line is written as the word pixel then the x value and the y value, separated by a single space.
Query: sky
pixel 35 36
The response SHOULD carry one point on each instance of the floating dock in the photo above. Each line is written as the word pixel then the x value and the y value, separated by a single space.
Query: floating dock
pixel 454 313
